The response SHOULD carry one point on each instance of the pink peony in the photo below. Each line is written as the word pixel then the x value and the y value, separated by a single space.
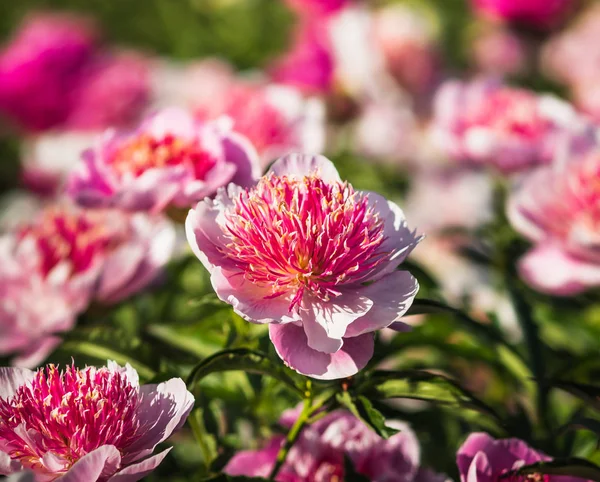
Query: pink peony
pixel 41 67
pixel 537 13
pixel 483 459
pixel 498 51
pixel 113 92
pixel 91 424
pixel 51 268
pixel 316 8
pixel 483 122
pixel 557 208
pixel 171 159
pixel 306 253
pixel 318 455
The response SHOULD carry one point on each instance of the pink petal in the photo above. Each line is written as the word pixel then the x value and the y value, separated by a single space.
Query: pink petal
pixel 36 353
pixel 391 297
pixel 163 410
pixel 549 269
pixel 291 345
pixel 255 463
pixel 241 152
pixel 7 465
pixel 141 469
pixel 12 378
pixel 325 323
pixel 102 462
pixel 480 470
pixel 300 165
pixel 249 300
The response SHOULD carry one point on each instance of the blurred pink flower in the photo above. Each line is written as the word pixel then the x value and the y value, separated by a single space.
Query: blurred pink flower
pixel 316 8
pixel 48 158
pixel 171 159
pixel 93 424
pixel 483 459
pixel 498 51
pixel 407 41
pixel 296 250
pixel 52 267
pixel 318 455
pixel 309 64
pixel 113 92
pixel 556 208
pixel 484 122
pixel 537 13
pixel 41 67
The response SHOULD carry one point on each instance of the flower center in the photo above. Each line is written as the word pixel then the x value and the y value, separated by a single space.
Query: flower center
pixel 145 152
pixel 69 234
pixel 297 235
pixel 63 415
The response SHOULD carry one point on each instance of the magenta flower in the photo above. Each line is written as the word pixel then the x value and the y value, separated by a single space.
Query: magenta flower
pixel 483 459
pixel 41 67
pixel 483 122
pixel 169 160
pixel 316 8
pixel 556 207
pixel 93 424
pixel 53 267
pixel 306 253
pixel 318 455
pixel 538 13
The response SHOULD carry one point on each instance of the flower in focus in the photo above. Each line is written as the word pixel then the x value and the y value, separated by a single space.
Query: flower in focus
pixel 52 267
pixel 318 455
pixel 556 207
pixel 483 459
pixel 41 67
pixel 92 424
pixel 306 253
pixel 483 122
pixel 536 13
pixel 171 159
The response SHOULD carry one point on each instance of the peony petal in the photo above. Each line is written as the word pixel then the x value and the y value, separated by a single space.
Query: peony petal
pixel 249 300
pixel 255 463
pixel 163 410
pixel 300 165
pixel 7 465
pixel 137 471
pixel 12 378
pixel 391 297
pixel 326 322
pixel 241 152
pixel 291 345
pixel 549 269
pixel 37 352
pixel 102 462
pixel 479 470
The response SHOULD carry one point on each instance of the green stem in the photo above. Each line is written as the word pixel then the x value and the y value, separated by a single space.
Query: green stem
pixel 307 411
pixel 197 426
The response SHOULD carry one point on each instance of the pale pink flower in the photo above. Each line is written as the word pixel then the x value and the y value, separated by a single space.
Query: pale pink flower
pixel 407 40
pixel 306 253
pixel 91 424
pixel 557 208
pixel 318 455
pixel 537 13
pixel 171 159
pixel 41 67
pixel 486 123
pixel 499 51
pixel 483 459
pixel 52 267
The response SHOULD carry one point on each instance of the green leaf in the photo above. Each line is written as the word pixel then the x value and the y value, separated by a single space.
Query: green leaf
pixel 590 394
pixel 570 467
pixel 422 385
pixel 362 408
pixel 250 361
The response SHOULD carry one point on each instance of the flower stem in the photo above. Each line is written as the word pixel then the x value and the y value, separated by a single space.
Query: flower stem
pixel 307 411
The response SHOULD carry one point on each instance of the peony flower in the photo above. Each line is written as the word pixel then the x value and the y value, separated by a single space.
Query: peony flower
pixel 556 208
pixel 483 459
pixel 48 158
pixel 499 51
pixel 316 8
pixel 537 13
pixel 483 122
pixel 306 253
pixel 51 268
pixel 41 67
pixel 169 160
pixel 114 91
pixel 318 454
pixel 92 424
